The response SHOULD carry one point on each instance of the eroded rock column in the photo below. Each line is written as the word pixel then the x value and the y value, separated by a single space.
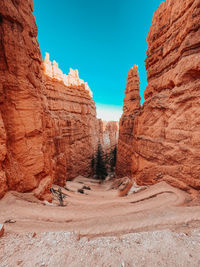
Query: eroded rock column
pixel 131 109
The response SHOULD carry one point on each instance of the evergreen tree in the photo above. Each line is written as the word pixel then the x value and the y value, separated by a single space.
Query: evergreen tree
pixel 93 163
pixel 100 164
pixel 113 158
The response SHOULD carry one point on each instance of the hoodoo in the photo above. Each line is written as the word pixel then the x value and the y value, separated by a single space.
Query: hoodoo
pixel 164 137
pixel 131 110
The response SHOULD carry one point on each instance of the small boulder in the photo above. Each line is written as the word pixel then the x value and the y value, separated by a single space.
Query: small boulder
pixel 86 187
pixel 34 234
pixel 80 191
pixel 42 191
pixel 10 221
pixel 47 203
pixel 1 230
pixel 125 187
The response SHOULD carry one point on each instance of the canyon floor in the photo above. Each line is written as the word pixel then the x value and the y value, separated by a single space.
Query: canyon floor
pixel 157 226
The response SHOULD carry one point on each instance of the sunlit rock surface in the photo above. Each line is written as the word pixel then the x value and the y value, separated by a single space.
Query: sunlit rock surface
pixel 166 140
pixel 73 129
pixel 131 110
pixel 72 79
pixel 23 158
pixel 48 126
pixel 110 135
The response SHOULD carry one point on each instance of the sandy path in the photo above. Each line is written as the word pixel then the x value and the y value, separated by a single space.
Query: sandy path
pixel 99 212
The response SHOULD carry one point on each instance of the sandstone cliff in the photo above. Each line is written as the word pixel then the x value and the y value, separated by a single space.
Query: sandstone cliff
pixel 131 109
pixel 48 126
pixel 110 132
pixel 73 130
pixel 3 151
pixel 23 158
pixel 166 143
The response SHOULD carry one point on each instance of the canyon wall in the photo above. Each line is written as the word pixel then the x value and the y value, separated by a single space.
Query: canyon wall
pixel 166 140
pixel 23 158
pixel 73 130
pixel 48 126
pixel 109 135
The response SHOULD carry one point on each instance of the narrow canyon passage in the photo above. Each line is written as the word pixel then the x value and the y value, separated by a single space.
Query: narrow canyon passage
pixel 49 128
pixel 79 191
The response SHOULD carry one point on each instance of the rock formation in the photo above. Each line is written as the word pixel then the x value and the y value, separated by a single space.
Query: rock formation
pixel 3 151
pixel 23 158
pixel 165 143
pixel 131 109
pixel 48 125
pixel 1 230
pixel 110 132
pixel 73 130
pixel 72 79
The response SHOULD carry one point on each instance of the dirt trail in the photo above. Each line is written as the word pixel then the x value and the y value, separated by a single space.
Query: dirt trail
pixel 98 212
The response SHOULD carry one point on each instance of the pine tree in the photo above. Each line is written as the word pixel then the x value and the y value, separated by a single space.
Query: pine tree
pixel 100 164
pixel 113 158
pixel 93 163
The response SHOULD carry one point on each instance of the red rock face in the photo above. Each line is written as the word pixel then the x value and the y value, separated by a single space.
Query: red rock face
pixel 166 143
pixel 3 151
pixel 23 161
pixel 110 132
pixel 131 109
pixel 73 130
pixel 48 126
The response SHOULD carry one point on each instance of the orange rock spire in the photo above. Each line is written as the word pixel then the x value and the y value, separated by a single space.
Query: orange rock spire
pixel 131 109
pixel 165 137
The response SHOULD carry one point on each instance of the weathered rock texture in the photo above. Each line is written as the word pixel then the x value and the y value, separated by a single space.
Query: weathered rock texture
pixel 131 109
pixel 166 140
pixel 109 136
pixel 71 80
pixel 73 129
pixel 3 151
pixel 1 230
pixel 48 125
pixel 23 158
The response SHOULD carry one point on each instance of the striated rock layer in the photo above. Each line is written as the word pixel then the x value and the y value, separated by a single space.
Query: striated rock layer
pixel 131 109
pixel 48 126
pixel 72 79
pixel 109 135
pixel 73 129
pixel 23 158
pixel 166 140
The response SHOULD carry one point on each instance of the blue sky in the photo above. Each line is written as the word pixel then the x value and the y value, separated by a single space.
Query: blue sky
pixel 102 39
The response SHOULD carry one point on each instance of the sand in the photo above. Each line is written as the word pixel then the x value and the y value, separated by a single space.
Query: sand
pixel 157 226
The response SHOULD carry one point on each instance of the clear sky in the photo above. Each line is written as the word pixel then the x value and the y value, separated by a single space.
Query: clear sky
pixel 103 39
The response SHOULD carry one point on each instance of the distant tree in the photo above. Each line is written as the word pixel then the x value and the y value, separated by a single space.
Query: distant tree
pixel 113 158
pixel 93 163
pixel 100 164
